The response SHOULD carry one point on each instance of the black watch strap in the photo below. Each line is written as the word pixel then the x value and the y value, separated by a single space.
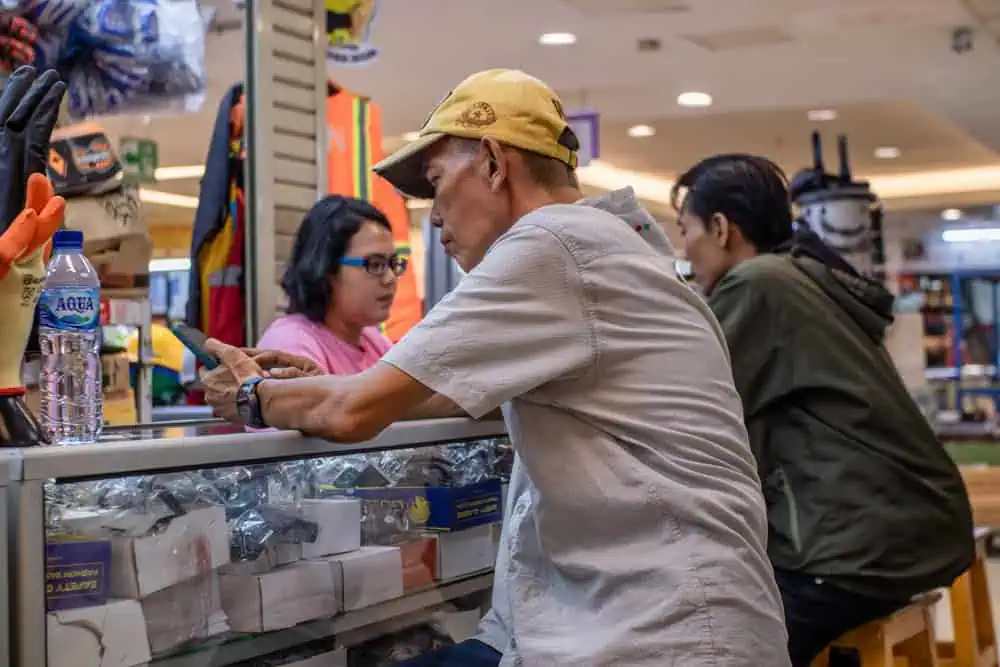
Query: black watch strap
pixel 248 405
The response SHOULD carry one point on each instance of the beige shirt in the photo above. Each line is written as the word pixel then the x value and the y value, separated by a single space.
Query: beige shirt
pixel 636 526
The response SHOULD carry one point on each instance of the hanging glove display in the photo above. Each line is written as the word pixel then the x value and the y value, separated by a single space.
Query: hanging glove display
pixel 30 213
pixel 119 56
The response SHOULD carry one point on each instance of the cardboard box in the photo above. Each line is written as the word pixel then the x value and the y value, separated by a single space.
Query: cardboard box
pixel 336 658
pixel 419 563
pixel 110 635
pixel 280 599
pixel 189 612
pixel 366 577
pixel 438 508
pixel 115 373
pixel 465 552
pixel 192 544
pixel 339 523
pixel 77 572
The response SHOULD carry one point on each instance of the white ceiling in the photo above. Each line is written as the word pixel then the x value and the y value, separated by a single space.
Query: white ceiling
pixel 886 66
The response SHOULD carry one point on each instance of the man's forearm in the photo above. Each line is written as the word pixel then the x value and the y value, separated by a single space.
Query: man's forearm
pixel 436 407
pixel 316 406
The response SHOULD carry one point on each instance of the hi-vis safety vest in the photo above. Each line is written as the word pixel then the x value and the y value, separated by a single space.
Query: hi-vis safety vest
pixel 354 128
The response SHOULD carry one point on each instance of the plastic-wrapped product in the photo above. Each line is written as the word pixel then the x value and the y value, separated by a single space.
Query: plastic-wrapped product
pixel 120 56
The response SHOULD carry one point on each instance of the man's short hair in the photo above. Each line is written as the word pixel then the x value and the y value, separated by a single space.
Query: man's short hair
pixel 544 170
pixel 751 191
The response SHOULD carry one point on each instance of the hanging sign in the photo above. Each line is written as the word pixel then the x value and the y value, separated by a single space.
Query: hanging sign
pixel 139 160
pixel 585 123
pixel 348 32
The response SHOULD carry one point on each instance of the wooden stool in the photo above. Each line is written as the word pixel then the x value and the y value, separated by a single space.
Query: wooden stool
pixel 907 635
pixel 975 642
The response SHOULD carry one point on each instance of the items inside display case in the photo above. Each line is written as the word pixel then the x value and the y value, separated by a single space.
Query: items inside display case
pixel 116 56
pixel 169 564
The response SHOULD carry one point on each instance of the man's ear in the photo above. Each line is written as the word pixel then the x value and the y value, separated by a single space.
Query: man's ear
pixel 496 164
pixel 721 229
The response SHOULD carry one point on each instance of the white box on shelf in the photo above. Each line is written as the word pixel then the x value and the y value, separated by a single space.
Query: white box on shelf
pixel 191 545
pixel 465 552
pixel 280 599
pixel 339 522
pixel 366 577
pixel 185 613
pixel 111 635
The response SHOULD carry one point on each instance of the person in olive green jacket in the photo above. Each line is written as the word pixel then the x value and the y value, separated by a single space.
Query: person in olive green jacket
pixel 865 507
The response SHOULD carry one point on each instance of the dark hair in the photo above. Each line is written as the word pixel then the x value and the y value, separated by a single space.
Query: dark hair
pixel 751 191
pixel 320 244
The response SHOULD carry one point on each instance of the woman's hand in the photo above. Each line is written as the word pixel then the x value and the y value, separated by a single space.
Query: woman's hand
pixel 282 365
pixel 222 384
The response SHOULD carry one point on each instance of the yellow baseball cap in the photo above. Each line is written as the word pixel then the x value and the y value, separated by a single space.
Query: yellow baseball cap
pixel 508 105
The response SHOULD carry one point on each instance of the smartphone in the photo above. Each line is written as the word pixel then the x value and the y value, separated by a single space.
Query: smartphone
pixel 194 340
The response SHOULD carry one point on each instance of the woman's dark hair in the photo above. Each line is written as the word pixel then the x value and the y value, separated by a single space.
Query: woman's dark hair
pixel 751 191
pixel 320 244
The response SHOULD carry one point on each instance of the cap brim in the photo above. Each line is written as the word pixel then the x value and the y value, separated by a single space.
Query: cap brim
pixel 404 169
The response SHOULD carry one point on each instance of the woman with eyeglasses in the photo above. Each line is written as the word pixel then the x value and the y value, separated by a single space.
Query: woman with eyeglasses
pixel 340 282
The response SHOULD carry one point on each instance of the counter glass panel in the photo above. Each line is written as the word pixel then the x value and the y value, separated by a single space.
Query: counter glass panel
pixel 203 544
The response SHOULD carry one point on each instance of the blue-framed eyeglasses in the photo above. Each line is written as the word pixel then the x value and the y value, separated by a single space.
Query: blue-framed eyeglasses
pixel 377 265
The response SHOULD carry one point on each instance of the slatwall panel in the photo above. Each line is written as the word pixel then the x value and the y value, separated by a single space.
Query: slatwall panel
pixel 286 120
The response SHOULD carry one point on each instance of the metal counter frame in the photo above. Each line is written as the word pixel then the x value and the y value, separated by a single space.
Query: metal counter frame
pixel 36 467
pixel 9 470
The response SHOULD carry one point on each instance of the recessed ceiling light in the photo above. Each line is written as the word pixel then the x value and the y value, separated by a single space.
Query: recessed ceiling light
pixel 640 131
pixel 411 136
pixel 822 115
pixel 952 214
pixel 887 152
pixel 557 39
pixel 694 99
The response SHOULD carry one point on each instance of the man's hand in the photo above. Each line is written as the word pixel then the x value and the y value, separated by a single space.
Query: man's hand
pixel 223 383
pixel 282 365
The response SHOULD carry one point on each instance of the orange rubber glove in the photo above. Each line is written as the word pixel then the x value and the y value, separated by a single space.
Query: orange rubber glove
pixel 24 251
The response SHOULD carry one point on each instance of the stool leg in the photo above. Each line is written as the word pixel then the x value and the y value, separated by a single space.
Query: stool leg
pixel 963 618
pixel 982 608
pixel 921 649
pixel 875 651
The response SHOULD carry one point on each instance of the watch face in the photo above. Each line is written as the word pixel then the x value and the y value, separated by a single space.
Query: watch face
pixel 244 409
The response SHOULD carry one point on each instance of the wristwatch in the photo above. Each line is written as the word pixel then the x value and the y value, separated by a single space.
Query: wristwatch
pixel 248 407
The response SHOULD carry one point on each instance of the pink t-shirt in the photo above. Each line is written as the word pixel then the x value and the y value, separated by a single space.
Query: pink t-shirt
pixel 296 334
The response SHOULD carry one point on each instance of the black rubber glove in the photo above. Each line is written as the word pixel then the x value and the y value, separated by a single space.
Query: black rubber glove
pixel 29 108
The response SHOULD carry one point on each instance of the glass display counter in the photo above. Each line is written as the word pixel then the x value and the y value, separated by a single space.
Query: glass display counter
pixel 205 545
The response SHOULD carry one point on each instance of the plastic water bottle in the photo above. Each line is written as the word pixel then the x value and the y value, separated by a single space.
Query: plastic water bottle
pixel 69 334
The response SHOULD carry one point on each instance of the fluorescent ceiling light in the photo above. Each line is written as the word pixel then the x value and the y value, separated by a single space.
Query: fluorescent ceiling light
pixel 640 131
pixel 167 199
pixel 170 264
pixel 180 173
pixel 936 183
pixel 557 39
pixel 411 136
pixel 887 152
pixel 971 235
pixel 694 99
pixel 822 115
pixel 951 214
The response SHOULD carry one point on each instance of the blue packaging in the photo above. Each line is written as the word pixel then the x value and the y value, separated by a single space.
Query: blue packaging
pixel 441 508
pixel 77 572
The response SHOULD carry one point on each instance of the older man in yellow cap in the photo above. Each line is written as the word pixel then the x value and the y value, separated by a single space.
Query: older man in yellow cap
pixel 635 527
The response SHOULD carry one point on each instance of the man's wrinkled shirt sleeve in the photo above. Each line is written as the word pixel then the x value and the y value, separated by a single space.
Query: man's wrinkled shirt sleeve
pixel 517 321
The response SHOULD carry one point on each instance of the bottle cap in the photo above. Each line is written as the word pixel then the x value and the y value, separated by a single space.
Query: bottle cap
pixel 68 239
